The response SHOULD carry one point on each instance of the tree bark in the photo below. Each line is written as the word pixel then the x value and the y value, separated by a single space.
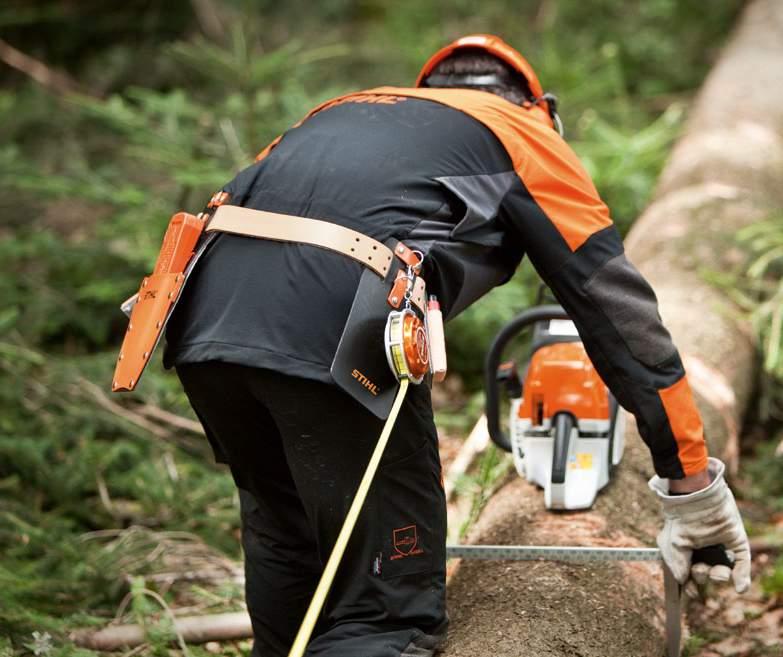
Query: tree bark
pixel 723 174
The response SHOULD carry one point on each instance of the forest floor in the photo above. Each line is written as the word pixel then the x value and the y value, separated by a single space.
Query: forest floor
pixel 727 625
pixel 724 624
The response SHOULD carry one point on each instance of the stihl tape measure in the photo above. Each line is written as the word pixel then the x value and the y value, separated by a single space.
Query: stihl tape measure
pixel 407 345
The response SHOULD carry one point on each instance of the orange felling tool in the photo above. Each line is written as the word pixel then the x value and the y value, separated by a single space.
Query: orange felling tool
pixel 157 294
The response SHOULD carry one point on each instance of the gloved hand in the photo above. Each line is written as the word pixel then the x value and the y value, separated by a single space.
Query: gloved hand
pixel 707 517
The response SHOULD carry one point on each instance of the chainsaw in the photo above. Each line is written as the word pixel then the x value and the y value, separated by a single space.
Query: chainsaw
pixel 566 429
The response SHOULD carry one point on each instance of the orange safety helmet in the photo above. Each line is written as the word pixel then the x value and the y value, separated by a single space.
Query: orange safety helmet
pixel 544 102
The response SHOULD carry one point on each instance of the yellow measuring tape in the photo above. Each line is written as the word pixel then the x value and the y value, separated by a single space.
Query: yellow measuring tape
pixel 325 583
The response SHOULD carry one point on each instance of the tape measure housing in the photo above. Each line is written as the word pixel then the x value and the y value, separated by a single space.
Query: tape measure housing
pixel 407 345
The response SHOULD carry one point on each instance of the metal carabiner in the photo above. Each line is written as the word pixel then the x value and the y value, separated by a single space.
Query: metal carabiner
pixel 410 274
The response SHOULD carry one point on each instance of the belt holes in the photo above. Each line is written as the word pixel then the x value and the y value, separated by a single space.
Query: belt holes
pixel 357 239
pixel 352 249
pixel 374 247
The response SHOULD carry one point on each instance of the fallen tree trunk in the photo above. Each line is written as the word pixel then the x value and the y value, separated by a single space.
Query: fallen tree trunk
pixel 723 174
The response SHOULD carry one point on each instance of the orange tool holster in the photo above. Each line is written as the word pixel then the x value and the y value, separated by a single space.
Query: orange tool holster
pixel 158 293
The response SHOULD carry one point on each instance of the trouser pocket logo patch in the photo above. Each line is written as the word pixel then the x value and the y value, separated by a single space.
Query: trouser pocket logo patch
pixel 406 542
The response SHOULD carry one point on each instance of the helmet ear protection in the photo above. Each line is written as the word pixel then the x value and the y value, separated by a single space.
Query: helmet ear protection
pixel 495 46
pixel 550 102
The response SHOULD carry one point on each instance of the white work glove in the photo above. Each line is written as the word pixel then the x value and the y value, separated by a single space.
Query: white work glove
pixel 696 520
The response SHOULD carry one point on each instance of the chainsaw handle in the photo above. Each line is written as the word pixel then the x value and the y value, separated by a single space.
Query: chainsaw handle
pixel 564 424
pixel 492 362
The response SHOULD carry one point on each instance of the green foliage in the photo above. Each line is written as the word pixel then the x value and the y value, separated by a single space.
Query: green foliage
pixel 68 465
pixel 693 645
pixel 160 632
pixel 54 296
pixel 772 584
pixel 626 163
pixel 757 287
pixel 764 280
pixel 493 466
pixel 764 477
pixel 47 576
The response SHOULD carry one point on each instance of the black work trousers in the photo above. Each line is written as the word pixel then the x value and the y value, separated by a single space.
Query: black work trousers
pixel 297 450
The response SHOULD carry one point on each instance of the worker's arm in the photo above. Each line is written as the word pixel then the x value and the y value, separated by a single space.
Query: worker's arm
pixel 559 220
pixel 616 312
pixel 557 217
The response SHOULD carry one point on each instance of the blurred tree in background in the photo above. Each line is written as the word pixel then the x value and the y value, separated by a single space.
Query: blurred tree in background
pixel 112 119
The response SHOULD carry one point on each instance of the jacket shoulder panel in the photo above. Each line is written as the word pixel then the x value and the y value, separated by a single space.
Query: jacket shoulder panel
pixel 546 165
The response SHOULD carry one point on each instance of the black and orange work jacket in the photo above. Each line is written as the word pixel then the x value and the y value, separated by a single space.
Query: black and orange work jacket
pixel 475 183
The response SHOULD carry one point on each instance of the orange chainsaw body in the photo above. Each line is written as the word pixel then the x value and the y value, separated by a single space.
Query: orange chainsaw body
pixel 560 378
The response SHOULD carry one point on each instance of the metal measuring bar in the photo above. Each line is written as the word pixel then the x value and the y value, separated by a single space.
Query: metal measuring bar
pixel 568 554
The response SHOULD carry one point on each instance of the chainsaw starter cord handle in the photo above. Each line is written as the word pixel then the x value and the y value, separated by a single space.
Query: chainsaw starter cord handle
pixel 492 362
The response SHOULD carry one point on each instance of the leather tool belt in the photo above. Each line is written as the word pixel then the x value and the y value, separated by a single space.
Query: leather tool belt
pixel 187 238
